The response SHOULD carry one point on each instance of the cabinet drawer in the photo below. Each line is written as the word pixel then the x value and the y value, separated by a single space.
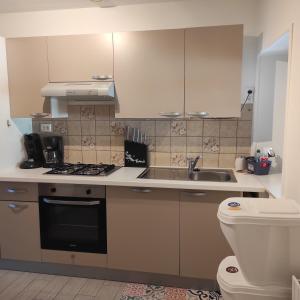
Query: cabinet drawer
pixel 18 191
pixel 74 258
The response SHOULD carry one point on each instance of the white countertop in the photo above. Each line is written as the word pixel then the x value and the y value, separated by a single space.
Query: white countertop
pixel 128 177
pixel 273 184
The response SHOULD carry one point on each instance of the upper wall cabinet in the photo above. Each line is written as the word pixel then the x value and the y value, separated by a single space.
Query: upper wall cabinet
pixel 149 73
pixel 80 57
pixel 27 73
pixel 213 63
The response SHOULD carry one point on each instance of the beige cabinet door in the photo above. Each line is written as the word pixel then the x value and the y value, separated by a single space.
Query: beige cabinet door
pixel 143 229
pixel 149 73
pixel 19 231
pixel 80 57
pixel 27 74
pixel 213 63
pixel 202 244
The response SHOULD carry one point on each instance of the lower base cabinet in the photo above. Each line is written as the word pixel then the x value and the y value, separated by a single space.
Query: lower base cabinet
pixel 20 231
pixel 143 229
pixel 202 244
pixel 75 258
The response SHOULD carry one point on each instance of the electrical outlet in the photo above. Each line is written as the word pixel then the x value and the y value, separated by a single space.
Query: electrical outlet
pixel 46 127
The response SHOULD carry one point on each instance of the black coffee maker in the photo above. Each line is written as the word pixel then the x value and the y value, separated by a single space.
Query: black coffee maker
pixel 53 151
pixel 34 150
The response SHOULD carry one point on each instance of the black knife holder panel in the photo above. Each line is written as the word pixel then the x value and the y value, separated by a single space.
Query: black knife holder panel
pixel 136 154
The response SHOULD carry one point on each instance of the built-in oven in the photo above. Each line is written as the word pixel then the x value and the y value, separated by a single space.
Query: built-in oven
pixel 73 217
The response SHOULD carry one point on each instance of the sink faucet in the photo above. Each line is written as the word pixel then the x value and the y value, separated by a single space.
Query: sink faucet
pixel 192 163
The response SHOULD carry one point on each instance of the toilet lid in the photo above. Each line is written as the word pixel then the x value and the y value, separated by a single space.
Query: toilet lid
pixel 231 280
pixel 266 211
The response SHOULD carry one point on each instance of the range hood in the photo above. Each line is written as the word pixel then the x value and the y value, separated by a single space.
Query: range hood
pixel 81 92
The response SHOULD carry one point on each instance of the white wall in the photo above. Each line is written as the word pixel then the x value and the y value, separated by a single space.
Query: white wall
pixel 187 13
pixel 250 52
pixel 264 100
pixel 11 150
pixel 276 17
pixel 280 93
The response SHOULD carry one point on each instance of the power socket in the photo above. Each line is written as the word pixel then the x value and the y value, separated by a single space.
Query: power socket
pixel 46 127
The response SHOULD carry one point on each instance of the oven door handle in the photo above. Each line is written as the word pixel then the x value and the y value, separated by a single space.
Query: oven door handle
pixel 63 202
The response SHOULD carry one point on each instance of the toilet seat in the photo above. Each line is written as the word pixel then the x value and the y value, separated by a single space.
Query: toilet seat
pixel 232 282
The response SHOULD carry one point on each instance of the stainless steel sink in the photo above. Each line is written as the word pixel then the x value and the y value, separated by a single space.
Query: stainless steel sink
pixel 216 175
pixel 213 175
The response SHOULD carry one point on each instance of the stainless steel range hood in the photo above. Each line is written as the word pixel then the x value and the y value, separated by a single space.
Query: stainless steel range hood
pixel 81 92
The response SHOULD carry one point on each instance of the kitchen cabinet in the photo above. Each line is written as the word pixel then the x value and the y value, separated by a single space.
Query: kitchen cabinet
pixel 80 57
pixel 143 229
pixel 149 73
pixel 19 231
pixel 19 191
pixel 74 258
pixel 27 73
pixel 213 63
pixel 202 244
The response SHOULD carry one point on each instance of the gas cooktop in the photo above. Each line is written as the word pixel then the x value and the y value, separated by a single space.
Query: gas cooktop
pixel 84 169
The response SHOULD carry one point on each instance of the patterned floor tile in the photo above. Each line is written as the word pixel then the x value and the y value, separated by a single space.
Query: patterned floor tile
pixel 152 292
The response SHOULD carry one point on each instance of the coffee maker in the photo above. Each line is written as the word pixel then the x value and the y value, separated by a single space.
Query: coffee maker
pixel 53 151
pixel 34 150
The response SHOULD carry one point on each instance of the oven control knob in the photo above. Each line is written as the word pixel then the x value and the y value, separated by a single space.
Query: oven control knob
pixel 88 192
pixel 53 190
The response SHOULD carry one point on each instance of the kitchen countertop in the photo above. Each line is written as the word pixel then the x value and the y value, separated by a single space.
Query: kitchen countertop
pixel 128 177
pixel 273 184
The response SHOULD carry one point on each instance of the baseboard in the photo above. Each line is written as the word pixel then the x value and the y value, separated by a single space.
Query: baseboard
pixel 109 274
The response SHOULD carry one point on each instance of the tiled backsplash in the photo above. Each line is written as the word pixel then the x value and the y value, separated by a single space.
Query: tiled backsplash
pixel 93 135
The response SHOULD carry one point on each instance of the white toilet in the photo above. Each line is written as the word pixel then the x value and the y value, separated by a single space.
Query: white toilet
pixel 234 286
pixel 265 237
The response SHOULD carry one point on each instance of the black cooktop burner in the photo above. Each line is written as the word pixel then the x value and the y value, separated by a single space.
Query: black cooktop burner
pixel 83 169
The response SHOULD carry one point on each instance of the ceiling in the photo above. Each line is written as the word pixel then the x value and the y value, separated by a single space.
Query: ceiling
pixel 10 6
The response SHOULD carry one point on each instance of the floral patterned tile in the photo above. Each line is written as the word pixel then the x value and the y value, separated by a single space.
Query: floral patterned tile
pixel 87 112
pixel 60 127
pixel 211 144
pixel 178 159
pixel 88 142
pixel 178 128
pixel 117 158
pixel 117 127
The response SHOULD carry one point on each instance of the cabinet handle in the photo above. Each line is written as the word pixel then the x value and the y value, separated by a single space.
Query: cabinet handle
pixel 193 194
pixel 170 114
pixel 140 190
pixel 17 206
pixel 15 191
pixel 101 77
pixel 199 114
pixel 39 115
